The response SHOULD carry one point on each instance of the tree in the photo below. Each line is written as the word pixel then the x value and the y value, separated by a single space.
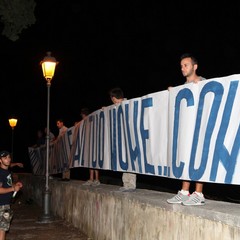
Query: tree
pixel 16 15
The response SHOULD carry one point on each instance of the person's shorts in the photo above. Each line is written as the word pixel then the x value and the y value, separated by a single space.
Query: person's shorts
pixel 6 215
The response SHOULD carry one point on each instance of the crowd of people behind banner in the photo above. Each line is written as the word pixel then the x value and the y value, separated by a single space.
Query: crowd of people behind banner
pixel 8 189
pixel 189 66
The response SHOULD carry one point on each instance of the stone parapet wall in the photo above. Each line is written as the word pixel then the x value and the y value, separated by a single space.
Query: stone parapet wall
pixel 104 213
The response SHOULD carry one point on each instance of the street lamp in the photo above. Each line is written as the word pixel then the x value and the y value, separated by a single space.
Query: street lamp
pixel 12 123
pixel 48 67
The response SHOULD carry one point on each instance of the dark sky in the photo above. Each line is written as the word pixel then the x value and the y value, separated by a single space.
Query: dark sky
pixel 135 45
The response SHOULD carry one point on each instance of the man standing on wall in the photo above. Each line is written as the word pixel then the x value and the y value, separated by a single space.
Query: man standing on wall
pixel 189 65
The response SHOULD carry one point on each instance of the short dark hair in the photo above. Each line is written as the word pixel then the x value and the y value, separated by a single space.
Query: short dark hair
pixel 59 120
pixel 116 92
pixel 189 55
pixel 85 111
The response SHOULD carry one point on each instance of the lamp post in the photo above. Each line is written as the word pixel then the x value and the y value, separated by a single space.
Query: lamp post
pixel 48 67
pixel 12 123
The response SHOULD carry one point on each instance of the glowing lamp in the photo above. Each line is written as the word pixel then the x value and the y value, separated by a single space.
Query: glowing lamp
pixel 12 122
pixel 48 66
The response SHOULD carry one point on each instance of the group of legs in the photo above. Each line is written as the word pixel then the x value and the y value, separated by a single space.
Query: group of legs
pixel 128 179
pixel 182 197
pixel 129 185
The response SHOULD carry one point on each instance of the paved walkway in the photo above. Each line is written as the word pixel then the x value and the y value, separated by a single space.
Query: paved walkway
pixel 25 225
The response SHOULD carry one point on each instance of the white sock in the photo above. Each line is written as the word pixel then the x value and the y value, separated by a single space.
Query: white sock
pixel 184 192
pixel 199 194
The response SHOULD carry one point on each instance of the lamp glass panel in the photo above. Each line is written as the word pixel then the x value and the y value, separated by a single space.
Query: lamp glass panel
pixel 48 69
pixel 12 122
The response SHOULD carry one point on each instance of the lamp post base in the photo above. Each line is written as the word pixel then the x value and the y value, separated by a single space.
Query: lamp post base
pixel 46 217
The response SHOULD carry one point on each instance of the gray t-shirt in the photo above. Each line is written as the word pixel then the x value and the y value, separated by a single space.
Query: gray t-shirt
pixel 200 79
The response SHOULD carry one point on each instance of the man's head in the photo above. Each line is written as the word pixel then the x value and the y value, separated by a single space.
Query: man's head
pixel 60 123
pixel 189 64
pixel 84 113
pixel 116 95
pixel 5 159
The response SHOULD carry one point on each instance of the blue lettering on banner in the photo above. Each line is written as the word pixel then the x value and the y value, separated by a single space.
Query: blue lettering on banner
pixel 63 157
pixel 69 137
pixel 118 126
pixel 145 134
pixel 122 139
pixel 101 139
pixel 123 160
pixel 82 142
pixel 113 144
pixel 77 145
pixel 217 89
pixel 182 94
pixel 92 146
pixel 221 153
pixel 133 152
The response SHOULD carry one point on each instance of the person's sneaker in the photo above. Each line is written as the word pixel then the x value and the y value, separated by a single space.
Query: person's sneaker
pixel 124 189
pixel 179 198
pixel 96 183
pixel 194 200
pixel 88 183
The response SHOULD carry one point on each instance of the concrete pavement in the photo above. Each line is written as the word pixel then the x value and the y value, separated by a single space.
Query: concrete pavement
pixel 25 224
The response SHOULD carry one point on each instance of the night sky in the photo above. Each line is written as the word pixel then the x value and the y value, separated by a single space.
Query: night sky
pixel 135 45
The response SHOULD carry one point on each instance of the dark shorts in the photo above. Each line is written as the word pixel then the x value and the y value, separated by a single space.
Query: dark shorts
pixel 6 215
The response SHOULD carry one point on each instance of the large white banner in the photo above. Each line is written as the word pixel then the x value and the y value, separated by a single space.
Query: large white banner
pixel 190 132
